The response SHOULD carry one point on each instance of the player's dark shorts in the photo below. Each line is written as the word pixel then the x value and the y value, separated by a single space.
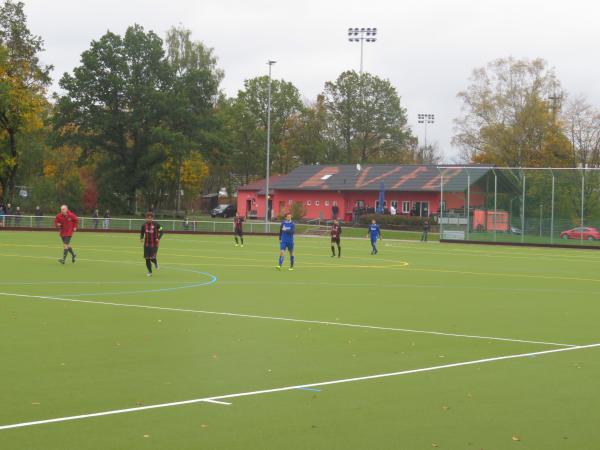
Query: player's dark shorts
pixel 66 239
pixel 335 240
pixel 239 232
pixel 150 252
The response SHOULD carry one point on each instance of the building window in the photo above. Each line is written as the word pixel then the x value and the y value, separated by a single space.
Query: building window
pixel 360 204
pixel 290 202
pixel 395 204
pixel 316 202
pixel 405 207
pixel 326 202
pixel 308 203
pixel 334 203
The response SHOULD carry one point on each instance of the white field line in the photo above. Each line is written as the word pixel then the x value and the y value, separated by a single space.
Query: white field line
pixel 217 399
pixel 284 319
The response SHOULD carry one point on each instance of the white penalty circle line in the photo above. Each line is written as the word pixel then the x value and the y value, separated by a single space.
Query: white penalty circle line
pixel 285 319
pixel 219 399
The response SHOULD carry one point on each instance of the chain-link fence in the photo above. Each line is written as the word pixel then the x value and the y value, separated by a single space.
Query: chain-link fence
pixel 535 206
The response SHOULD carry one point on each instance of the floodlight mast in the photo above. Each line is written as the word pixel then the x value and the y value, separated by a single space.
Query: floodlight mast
pixel 362 35
pixel 426 119
pixel 267 210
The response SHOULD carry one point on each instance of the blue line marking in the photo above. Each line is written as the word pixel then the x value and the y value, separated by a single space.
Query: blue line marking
pixel 309 389
pixel 212 280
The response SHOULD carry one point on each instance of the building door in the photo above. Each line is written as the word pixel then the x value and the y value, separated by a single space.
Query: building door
pixel 424 209
pixel 281 207
pixel 248 207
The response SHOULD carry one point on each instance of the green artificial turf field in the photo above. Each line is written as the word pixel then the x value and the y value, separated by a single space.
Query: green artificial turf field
pixel 282 360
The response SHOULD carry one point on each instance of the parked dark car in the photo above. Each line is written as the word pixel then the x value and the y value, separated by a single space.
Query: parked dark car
pixel 515 230
pixel 223 211
pixel 587 233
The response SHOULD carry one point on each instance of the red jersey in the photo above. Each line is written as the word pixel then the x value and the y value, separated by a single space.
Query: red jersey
pixel 67 223
pixel 336 231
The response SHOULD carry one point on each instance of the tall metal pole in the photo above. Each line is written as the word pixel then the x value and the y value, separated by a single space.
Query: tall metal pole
pixel 468 203
pixel 495 203
pixel 582 195
pixel 552 213
pixel 270 63
pixel 523 212
pixel 441 205
pixel 361 55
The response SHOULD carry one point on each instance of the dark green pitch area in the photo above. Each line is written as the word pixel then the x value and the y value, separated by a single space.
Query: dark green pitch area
pixel 100 336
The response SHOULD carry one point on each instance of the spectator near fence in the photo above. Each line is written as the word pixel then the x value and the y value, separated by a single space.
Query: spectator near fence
pixel 38 216
pixel 107 219
pixel 2 215
pixel 18 216
pixel 425 230
pixel 8 212
pixel 96 219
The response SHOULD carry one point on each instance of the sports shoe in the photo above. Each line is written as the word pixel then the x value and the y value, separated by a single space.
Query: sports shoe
pixel 333 256
pixel 73 259
pixel 156 267
pixel 278 267
pixel 242 245
pixel 149 274
pixel 61 260
pixel 236 245
pixel 291 268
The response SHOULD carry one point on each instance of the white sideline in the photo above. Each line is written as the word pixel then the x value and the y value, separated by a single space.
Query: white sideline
pixel 287 319
pixel 216 399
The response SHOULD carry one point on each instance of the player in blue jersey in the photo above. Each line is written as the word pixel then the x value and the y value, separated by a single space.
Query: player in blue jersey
pixel 374 234
pixel 286 240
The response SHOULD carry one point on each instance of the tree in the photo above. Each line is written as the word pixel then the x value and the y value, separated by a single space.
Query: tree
pixel 285 103
pixel 366 120
pixel 581 125
pixel 509 115
pixel 23 83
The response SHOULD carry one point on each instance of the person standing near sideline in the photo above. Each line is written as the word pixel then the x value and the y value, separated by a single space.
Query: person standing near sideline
pixel 67 223
pixel 238 225
pixel 38 216
pixel 106 219
pixel 151 234
pixel 425 230
pixel 375 234
pixel 286 240
pixel 95 219
pixel 18 216
pixel 8 212
pixel 336 234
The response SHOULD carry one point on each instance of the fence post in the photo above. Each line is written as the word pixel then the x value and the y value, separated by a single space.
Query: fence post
pixel 130 224
pixel 214 226
pixel 468 203
pixel 441 205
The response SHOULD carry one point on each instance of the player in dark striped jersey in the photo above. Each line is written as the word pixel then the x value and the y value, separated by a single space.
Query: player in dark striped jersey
pixel 336 233
pixel 238 227
pixel 151 233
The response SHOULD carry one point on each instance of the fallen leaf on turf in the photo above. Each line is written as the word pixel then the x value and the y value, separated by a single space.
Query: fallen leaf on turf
pixel 433 444
pixel 516 438
pixel 35 403
pixel 445 408
pixel 146 435
pixel 204 425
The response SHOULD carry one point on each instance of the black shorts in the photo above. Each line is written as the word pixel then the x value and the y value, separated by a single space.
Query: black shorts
pixel 66 239
pixel 239 232
pixel 335 241
pixel 150 252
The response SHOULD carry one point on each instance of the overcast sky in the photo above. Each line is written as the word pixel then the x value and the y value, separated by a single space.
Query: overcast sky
pixel 426 48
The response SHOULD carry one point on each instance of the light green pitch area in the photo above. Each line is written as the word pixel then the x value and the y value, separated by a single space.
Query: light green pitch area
pixel 422 346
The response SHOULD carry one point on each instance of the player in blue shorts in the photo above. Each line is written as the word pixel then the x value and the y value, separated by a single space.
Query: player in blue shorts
pixel 286 240
pixel 374 234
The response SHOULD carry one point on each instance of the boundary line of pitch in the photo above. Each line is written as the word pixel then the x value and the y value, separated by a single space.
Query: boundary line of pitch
pixel 220 399
pixel 284 319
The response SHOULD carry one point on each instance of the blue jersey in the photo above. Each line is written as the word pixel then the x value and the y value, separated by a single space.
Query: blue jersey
pixel 286 231
pixel 374 231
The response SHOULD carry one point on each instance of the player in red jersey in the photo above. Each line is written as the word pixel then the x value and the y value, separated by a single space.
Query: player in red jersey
pixel 67 223
pixel 151 233
pixel 336 233
pixel 238 225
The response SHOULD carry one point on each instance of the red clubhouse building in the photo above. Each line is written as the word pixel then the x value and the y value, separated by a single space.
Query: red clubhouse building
pixel 325 189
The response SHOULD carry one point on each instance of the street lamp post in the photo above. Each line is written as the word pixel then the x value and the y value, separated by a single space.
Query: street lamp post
pixel 362 35
pixel 270 63
pixel 426 119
